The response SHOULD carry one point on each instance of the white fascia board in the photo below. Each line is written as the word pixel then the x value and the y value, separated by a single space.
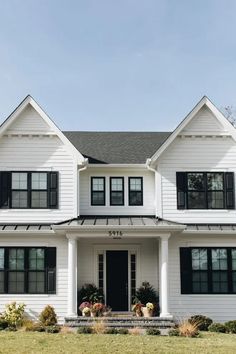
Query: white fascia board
pixel 209 232
pixel 118 165
pixel 204 101
pixel 29 100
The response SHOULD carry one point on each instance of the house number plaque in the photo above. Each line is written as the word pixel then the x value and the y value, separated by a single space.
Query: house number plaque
pixel 115 234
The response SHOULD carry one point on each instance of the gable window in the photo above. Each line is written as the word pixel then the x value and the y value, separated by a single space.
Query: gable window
pixel 208 270
pixel 205 190
pixel 25 270
pixel 116 190
pixel 135 191
pixel 24 190
pixel 98 191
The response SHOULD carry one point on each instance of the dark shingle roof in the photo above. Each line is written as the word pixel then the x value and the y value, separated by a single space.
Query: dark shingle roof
pixel 117 147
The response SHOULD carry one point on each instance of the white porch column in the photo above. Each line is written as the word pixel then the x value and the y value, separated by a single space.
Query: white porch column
pixel 164 278
pixel 72 276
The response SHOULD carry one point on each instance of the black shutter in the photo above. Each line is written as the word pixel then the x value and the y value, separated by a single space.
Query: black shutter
pixel 5 189
pixel 186 270
pixel 51 269
pixel 181 184
pixel 53 190
pixel 229 190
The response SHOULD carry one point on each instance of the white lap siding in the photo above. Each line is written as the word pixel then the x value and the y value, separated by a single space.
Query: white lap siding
pixel 148 207
pixel 219 307
pixel 195 154
pixel 36 303
pixel 40 154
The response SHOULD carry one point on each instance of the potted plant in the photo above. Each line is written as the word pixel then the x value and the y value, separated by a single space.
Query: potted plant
pixel 137 309
pixel 145 294
pixel 85 308
pixel 97 309
pixel 148 310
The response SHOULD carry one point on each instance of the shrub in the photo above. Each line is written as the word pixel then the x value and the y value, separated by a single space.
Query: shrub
pixel 153 331
pixel 188 329
pixel 217 327
pixel 90 293
pixel 111 330
pixel 31 326
pixel 3 324
pixel 84 330
pixel 99 327
pixel 48 316
pixel 230 326
pixel 13 315
pixel 52 329
pixel 174 332
pixel 123 331
pixel 202 322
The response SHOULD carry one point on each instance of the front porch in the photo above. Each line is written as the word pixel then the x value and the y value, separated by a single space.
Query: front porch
pixel 117 254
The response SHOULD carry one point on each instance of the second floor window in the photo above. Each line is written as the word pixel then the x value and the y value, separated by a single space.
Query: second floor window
pixel 98 190
pixel 135 191
pixel 29 190
pixel 117 191
pixel 205 190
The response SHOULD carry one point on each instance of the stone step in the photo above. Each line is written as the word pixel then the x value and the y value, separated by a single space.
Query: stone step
pixel 128 322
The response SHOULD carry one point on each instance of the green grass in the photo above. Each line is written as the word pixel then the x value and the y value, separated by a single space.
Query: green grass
pixel 33 343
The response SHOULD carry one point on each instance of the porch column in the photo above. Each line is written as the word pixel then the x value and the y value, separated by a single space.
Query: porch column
pixel 164 278
pixel 72 276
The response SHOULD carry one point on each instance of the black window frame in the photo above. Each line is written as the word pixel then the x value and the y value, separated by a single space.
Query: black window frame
pixel 186 271
pixel 101 192
pixel 141 191
pixel 183 190
pixel 50 268
pixel 52 190
pixel 122 192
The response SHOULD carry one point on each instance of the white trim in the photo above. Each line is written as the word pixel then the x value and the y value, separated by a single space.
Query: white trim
pixel 29 100
pixel 132 249
pixel 118 165
pixel 204 101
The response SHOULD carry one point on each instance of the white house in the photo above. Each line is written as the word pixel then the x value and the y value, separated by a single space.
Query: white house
pixel 117 209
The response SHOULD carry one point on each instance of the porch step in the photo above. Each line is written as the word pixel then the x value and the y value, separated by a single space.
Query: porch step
pixel 123 321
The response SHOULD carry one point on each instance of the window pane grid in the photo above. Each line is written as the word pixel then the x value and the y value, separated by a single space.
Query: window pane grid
pixel 135 191
pixel 116 191
pixel 29 190
pixel 205 190
pixel 98 191
pixel 213 270
pixel 23 271
pixel 101 271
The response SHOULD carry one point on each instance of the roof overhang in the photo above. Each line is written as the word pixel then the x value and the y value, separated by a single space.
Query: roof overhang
pixel 203 102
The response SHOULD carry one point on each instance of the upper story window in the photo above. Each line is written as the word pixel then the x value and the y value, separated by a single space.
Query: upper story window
pixel 116 190
pixel 29 190
pixel 25 270
pixel 205 190
pixel 98 191
pixel 135 191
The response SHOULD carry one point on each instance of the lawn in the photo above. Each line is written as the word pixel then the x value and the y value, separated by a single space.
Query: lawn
pixel 33 343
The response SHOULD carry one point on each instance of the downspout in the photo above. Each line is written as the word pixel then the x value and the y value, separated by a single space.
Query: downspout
pixel 148 165
pixel 80 169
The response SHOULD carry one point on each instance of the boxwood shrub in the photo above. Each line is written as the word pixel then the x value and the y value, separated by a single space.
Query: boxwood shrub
pixel 217 327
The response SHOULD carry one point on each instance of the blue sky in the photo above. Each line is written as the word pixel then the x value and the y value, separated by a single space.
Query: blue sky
pixel 117 65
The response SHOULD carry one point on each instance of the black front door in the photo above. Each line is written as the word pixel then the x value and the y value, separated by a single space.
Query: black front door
pixel 117 280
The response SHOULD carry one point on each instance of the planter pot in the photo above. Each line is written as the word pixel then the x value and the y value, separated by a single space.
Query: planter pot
pixel 146 312
pixel 138 314
pixel 93 314
pixel 86 314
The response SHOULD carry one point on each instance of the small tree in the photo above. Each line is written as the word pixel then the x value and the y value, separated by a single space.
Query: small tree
pixel 48 316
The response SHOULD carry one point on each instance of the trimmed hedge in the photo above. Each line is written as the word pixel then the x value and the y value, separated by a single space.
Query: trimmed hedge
pixel 217 327
pixel 203 322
